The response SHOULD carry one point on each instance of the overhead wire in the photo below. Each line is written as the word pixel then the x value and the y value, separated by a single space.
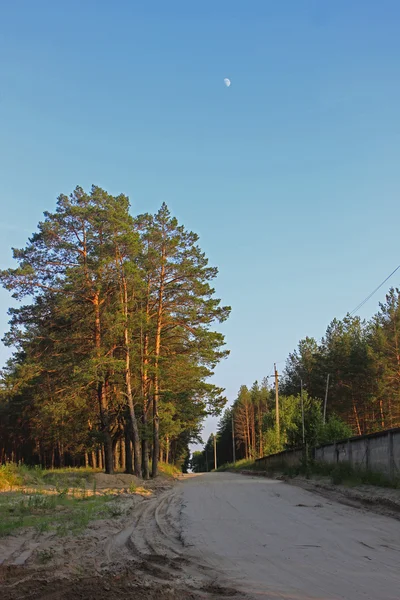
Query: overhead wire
pixel 374 292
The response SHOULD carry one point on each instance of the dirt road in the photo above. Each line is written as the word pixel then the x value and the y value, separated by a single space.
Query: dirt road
pixel 276 541
pixel 208 537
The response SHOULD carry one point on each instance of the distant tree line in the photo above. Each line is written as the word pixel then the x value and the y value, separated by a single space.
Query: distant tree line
pixel 115 345
pixel 362 359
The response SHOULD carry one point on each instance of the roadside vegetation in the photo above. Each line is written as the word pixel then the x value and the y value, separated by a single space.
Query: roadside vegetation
pixel 61 500
pixel 114 341
pixel 16 476
pixel 356 363
pixel 244 464
pixel 339 474
pixel 343 474
pixel 57 512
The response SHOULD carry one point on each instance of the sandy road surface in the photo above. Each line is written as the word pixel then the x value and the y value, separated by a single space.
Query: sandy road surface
pixel 208 537
pixel 276 541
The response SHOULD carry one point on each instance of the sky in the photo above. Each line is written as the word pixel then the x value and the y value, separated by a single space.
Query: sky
pixel 290 176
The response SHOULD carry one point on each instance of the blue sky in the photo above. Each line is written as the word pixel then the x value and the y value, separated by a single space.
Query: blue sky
pixel 290 176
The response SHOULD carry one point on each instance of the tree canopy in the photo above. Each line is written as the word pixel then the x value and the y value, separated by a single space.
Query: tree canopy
pixel 362 360
pixel 115 345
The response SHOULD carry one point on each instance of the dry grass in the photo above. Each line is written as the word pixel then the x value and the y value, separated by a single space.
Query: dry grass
pixel 51 512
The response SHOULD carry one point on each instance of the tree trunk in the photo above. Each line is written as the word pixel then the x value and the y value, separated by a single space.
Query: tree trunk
pixel 382 416
pixel 128 384
pixel 133 420
pixel 122 454
pixel 116 447
pixel 128 452
pixel 94 460
pixel 145 391
pixel 248 448
pixel 156 395
pixel 108 454
pixel 102 396
pixel 357 419
pixel 167 449
pixel 260 441
pixel 145 449
pixel 61 454
pixel 86 459
pixel 107 438
pixel 156 431
pixel 100 458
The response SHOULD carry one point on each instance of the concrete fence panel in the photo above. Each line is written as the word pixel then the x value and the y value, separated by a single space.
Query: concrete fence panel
pixel 396 454
pixel 378 452
pixel 359 452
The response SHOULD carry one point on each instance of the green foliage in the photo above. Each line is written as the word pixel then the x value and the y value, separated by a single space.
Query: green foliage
pixel 10 476
pixel 197 462
pixel 170 470
pixel 117 335
pixel 44 556
pixel 333 430
pixel 362 361
pixel 344 474
pixel 49 512
pixel 14 475
pixel 247 428
pixel 240 465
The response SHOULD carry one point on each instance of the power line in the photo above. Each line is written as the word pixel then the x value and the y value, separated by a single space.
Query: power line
pixel 372 293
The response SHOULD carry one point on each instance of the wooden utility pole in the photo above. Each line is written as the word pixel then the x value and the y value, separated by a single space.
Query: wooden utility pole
pixel 278 433
pixel 302 411
pixel 215 452
pixel 233 440
pixel 326 397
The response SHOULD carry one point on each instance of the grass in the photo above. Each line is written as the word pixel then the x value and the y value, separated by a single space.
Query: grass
pixel 62 500
pixel 69 477
pixel 340 474
pixel 345 474
pixel 51 512
pixel 169 470
pixel 247 464
pixel 13 476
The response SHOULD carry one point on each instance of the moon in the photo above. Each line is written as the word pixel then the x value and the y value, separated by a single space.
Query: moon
pixel 227 82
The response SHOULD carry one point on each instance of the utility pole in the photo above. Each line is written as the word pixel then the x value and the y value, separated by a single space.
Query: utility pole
pixel 233 440
pixel 302 410
pixel 278 433
pixel 215 452
pixel 326 397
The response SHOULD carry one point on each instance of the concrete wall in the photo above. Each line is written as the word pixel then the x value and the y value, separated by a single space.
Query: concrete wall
pixel 286 458
pixel 377 452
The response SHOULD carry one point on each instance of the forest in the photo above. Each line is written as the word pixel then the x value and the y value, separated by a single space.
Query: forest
pixel 113 339
pixel 355 366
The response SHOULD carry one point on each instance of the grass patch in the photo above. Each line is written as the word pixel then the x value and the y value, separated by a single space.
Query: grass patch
pixel 240 465
pixel 50 512
pixel 342 474
pixel 13 476
pixel 345 474
pixel 44 556
pixel 169 470
pixel 339 474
